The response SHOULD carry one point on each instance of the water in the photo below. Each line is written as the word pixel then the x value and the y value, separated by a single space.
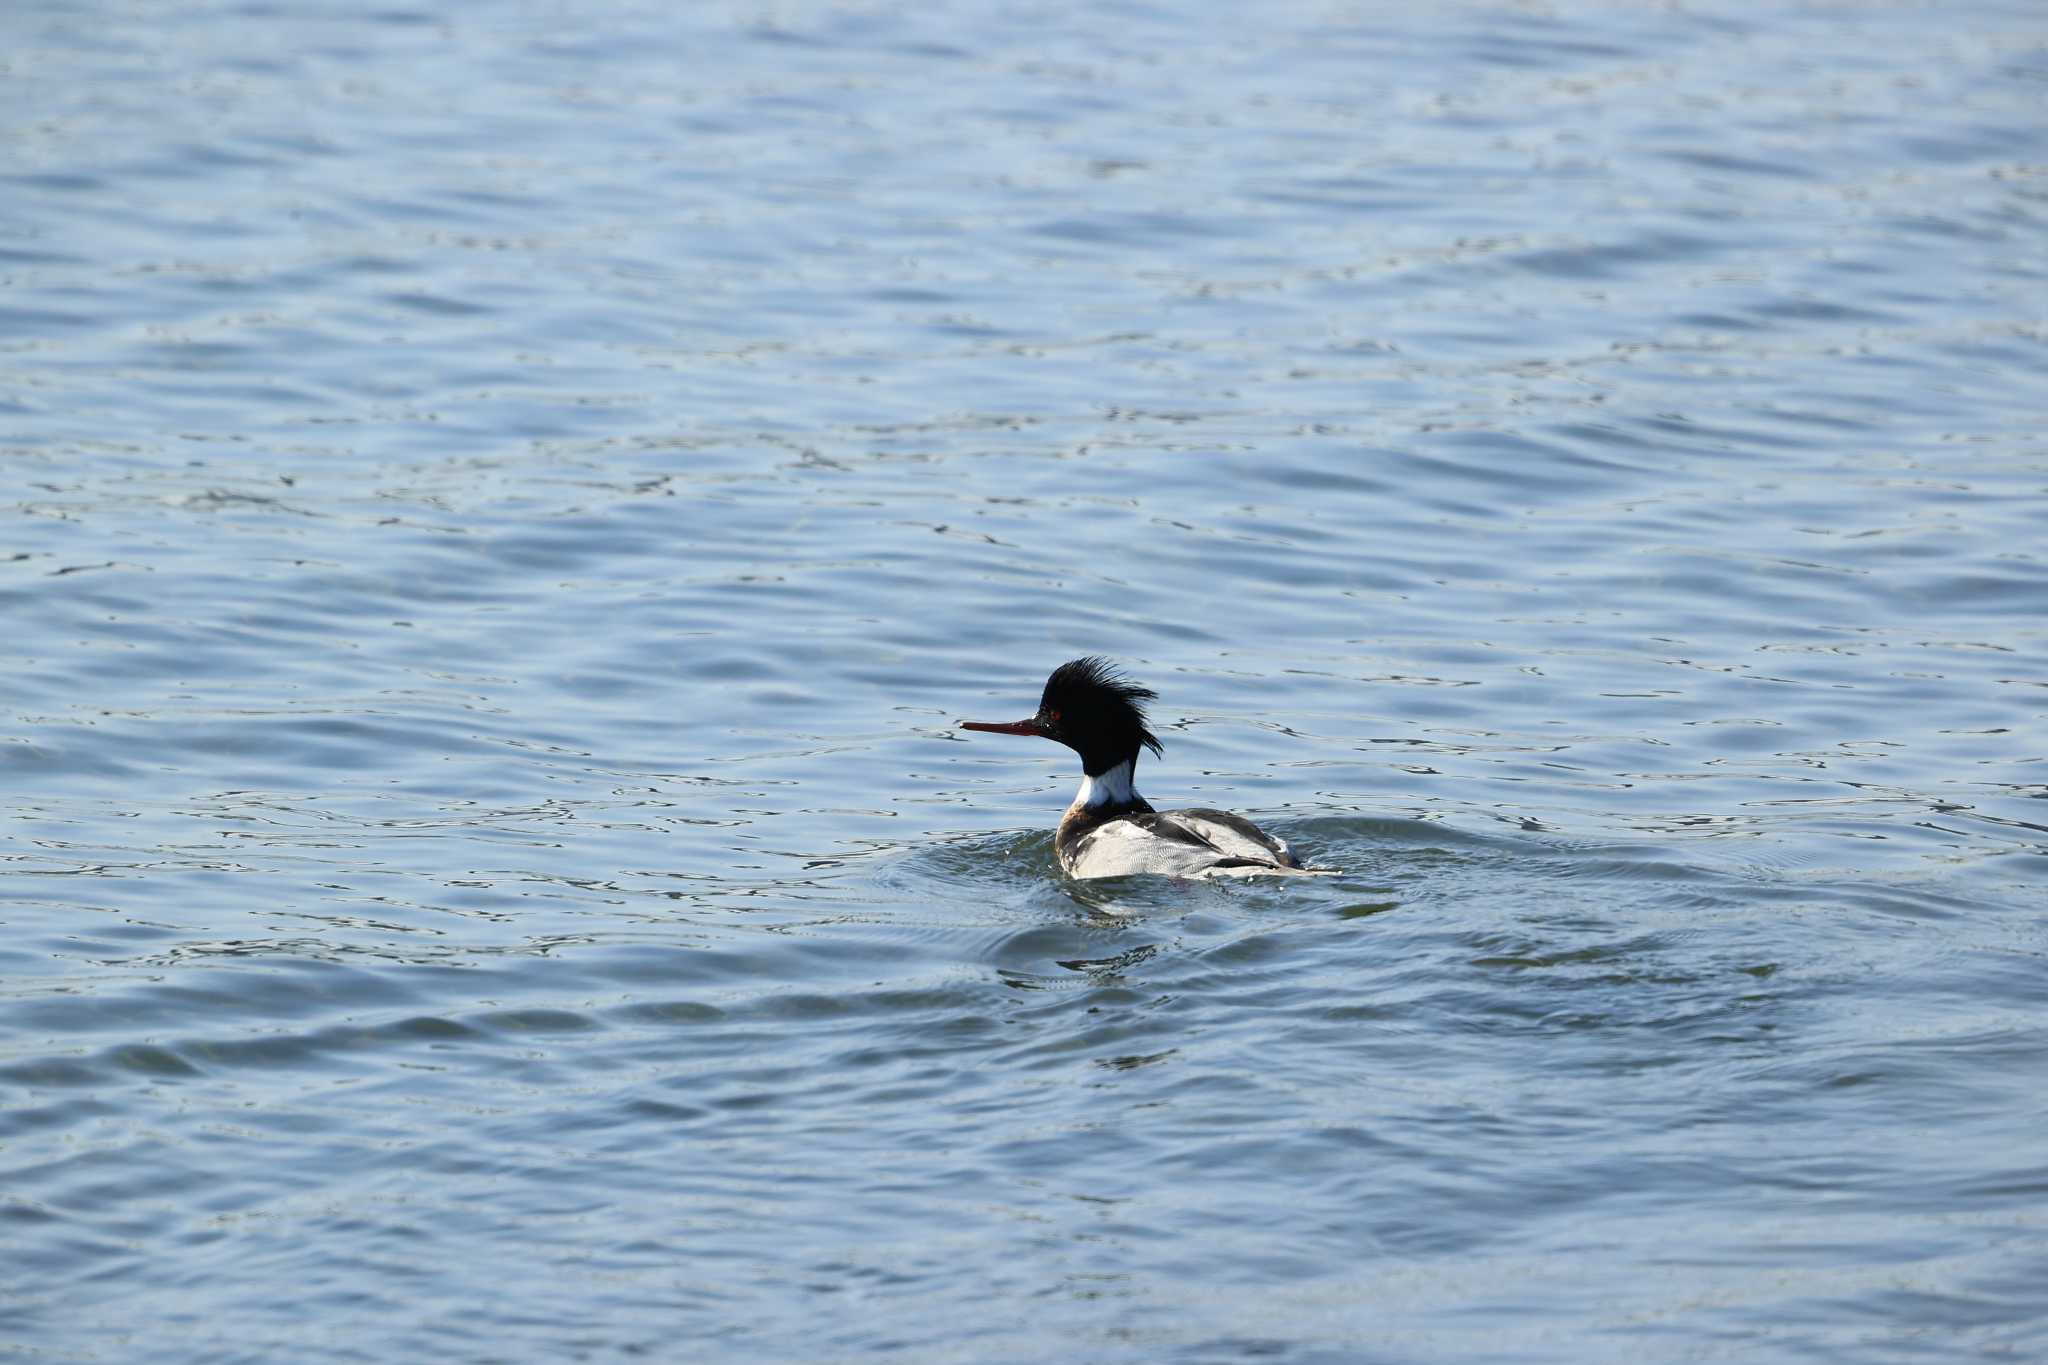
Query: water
pixel 508 504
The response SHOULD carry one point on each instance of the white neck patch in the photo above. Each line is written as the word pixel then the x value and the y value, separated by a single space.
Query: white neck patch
pixel 1113 788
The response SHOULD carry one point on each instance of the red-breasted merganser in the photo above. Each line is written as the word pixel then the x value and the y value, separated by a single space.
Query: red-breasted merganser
pixel 1110 830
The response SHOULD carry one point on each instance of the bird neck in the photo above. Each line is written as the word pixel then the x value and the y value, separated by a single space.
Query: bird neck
pixel 1113 787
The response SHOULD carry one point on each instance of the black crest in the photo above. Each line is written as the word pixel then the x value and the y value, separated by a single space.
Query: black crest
pixel 1098 712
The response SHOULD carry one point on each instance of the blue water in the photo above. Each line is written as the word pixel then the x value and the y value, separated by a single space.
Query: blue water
pixel 506 506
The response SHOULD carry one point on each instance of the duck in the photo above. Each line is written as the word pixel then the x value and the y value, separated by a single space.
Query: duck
pixel 1112 831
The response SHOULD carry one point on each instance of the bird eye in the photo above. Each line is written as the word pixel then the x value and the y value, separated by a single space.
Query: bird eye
pixel 1053 717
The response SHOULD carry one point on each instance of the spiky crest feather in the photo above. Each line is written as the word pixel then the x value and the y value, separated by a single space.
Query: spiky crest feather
pixel 1098 709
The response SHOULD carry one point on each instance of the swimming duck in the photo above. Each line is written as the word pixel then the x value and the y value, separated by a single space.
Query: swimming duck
pixel 1110 830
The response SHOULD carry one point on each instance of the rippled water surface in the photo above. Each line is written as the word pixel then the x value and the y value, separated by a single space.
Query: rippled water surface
pixel 506 505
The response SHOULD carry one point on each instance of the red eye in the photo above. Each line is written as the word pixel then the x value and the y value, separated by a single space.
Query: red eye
pixel 1053 717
